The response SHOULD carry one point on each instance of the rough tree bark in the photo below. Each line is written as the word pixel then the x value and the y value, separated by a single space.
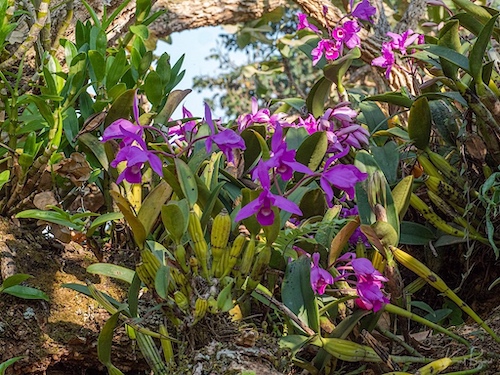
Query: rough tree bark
pixel 190 14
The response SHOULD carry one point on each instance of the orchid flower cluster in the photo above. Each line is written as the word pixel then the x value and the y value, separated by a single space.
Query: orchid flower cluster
pixel 342 35
pixel 399 42
pixel 338 123
pixel 358 272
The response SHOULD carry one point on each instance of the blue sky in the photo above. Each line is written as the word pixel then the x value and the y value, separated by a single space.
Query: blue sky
pixel 196 45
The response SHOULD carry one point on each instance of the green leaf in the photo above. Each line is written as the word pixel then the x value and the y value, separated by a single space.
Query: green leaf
pixel 478 12
pixel 449 37
pixel 4 365
pixel 253 150
pixel 224 299
pixel 98 65
pixel 104 343
pixel 374 190
pixel 16 279
pixel 312 151
pixel 175 216
pixel 396 98
pixel 4 177
pixel 297 293
pixel 387 156
pixel 112 270
pixel 162 279
pixel 479 49
pixel 401 195
pixel 92 145
pixel 51 217
pixel 173 101
pixel 317 96
pixel 133 295
pixel 101 220
pixel 140 30
pixel 420 123
pixel 187 181
pixel 293 342
pixel 447 54
pixel 415 234
pixel 116 69
pixel 121 108
pixel 152 204
pixel 153 88
pixel 135 224
pixel 209 207
pixel 26 292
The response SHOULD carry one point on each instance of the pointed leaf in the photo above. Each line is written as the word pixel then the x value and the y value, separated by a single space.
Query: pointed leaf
pixel 162 279
pixel 104 343
pixel 420 123
pixel 26 292
pixel 312 151
pixel 132 220
pixel 173 101
pixel 317 96
pixel 16 279
pixel 401 195
pixel 479 49
pixel 101 220
pixel 152 204
pixel 4 365
pixel 187 181
pixel 112 270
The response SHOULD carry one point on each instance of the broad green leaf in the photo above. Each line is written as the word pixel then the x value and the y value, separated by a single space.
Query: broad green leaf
pixel 449 37
pixel 393 132
pixel 4 177
pixel 70 124
pixel 316 99
pixel 401 195
pixel 137 228
pixel 469 22
pixel 420 123
pixel 396 98
pixel 374 190
pixel 26 292
pixel 312 151
pixel 92 144
pixel 209 206
pixel 385 233
pixel 387 157
pixel 478 12
pixel 415 234
pixel 98 65
pixel 4 365
pixel 187 182
pixel 101 220
pixel 116 69
pixel 121 107
pixel 174 216
pixel 104 343
pixel 152 204
pixel 253 151
pixel 173 101
pixel 293 342
pixel 112 270
pixel 162 279
pixel 163 68
pixel 16 279
pixel 251 222
pixel 297 293
pixel 140 30
pixel 295 103
pixel 479 48
pixel 49 216
pixel 133 295
pixel 271 232
pixel 153 88
pixel 446 53
pixel 224 299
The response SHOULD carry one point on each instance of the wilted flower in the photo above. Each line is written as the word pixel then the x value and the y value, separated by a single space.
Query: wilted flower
pixel 320 278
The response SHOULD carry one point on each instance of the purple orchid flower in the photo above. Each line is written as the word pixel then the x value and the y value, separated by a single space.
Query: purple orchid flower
pixel 358 235
pixel 116 128
pixel 363 11
pixel 258 116
pixel 387 60
pixel 320 278
pixel 263 205
pixel 353 135
pixel 402 41
pixel 344 177
pixel 227 140
pixel 327 47
pixel 347 33
pixel 304 23
pixel 135 154
pixel 183 129
pixel 309 123
pixel 282 159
